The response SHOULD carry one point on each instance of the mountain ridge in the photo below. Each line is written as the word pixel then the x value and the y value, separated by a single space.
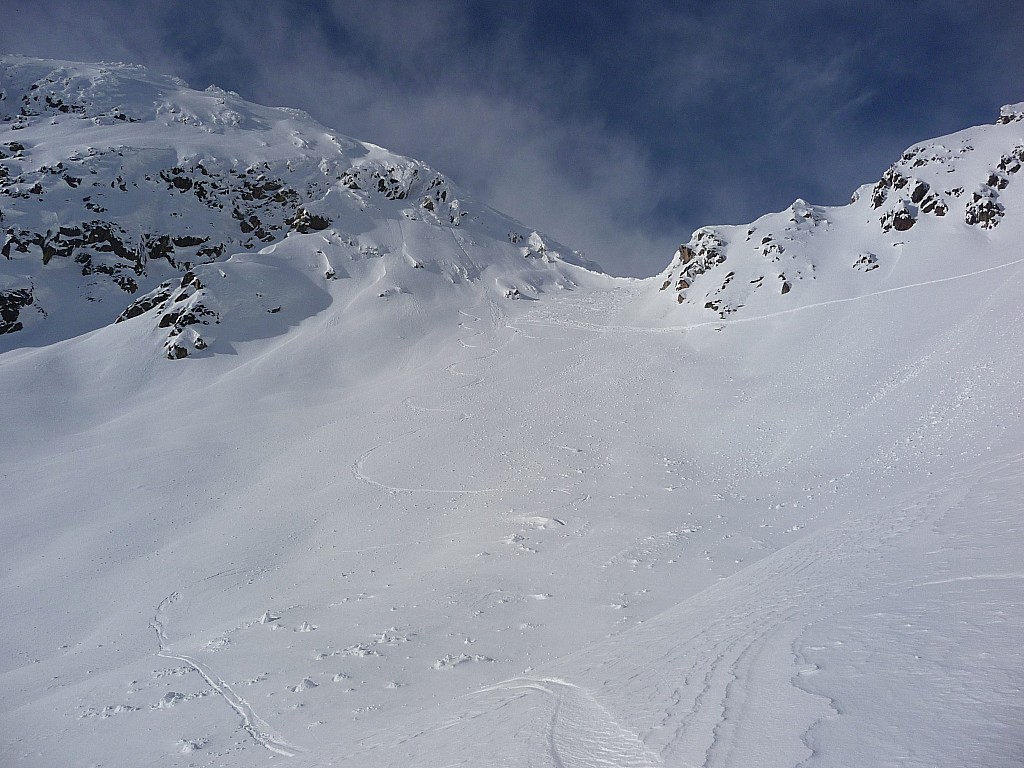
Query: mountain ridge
pixel 142 183
pixel 958 187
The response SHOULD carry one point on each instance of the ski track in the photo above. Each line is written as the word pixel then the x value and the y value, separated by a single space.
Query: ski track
pixel 710 713
pixel 692 680
pixel 775 603
pixel 357 466
pixel 974 577
pixel 781 313
pixel 252 724
pixel 930 510
pixel 581 732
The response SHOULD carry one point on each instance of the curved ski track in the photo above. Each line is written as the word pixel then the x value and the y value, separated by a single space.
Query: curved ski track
pixel 582 733
pixel 252 724
pixel 357 466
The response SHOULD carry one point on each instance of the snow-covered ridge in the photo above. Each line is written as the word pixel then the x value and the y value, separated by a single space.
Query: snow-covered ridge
pixel 116 183
pixel 963 187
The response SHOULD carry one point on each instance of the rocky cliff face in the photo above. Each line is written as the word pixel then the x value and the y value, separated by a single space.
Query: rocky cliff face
pixel 959 186
pixel 118 189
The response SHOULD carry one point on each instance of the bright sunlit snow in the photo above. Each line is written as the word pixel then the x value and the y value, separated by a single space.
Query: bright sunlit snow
pixel 428 492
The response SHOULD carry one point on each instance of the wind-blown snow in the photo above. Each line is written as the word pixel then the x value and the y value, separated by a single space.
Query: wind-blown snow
pixel 443 527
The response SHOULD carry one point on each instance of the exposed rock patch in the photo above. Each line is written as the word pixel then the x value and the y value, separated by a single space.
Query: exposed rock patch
pixel 11 304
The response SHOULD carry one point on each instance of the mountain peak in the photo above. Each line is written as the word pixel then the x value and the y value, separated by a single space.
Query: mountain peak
pixel 963 187
pixel 121 189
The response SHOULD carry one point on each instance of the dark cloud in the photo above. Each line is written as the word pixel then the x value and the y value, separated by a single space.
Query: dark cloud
pixel 617 127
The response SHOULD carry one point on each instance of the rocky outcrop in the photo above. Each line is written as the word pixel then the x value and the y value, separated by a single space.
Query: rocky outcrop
pixel 1011 113
pixel 241 208
pixel 699 274
pixel 11 303
pixel 904 197
pixel 960 181
pixel 305 222
pixel 705 250
pixel 179 306
pixel 407 182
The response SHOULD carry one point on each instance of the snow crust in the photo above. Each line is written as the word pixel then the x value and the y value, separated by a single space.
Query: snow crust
pixel 595 526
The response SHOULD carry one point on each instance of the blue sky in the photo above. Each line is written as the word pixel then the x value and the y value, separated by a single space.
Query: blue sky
pixel 617 127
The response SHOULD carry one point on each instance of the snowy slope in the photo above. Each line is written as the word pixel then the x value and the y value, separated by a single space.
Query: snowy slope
pixel 441 527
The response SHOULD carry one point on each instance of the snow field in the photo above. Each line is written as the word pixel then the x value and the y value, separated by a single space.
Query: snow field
pixel 430 493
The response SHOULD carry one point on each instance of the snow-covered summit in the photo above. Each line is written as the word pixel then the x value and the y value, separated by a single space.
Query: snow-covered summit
pixel 964 190
pixel 123 193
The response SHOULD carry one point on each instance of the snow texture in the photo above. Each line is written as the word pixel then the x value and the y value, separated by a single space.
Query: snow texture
pixel 422 489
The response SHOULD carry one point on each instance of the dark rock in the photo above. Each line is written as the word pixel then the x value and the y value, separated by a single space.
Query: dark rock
pixel 996 181
pixel 934 205
pixel 1008 115
pixel 866 262
pixel 919 191
pixel 983 212
pixel 176 352
pixel 305 222
pixel 900 218
pixel 142 305
pixel 1011 163
pixel 903 220
pixel 188 241
pixel 11 304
